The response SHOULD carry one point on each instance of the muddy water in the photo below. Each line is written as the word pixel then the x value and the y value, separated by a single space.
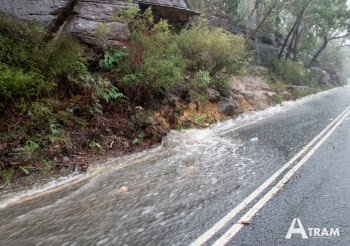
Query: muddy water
pixel 150 198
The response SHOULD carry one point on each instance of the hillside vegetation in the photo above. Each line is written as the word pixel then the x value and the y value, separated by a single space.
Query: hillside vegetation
pixel 61 99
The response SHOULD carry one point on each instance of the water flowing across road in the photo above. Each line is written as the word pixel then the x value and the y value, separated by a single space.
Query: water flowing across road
pixel 171 194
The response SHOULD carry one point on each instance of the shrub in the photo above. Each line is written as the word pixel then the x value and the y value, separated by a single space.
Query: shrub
pixel 16 85
pixel 63 56
pixel 155 62
pixel 6 174
pixel 21 43
pixel 212 50
pixel 287 71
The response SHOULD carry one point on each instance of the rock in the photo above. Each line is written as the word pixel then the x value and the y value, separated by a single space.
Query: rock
pixel 214 95
pixel 90 15
pixel 251 93
pixel 334 77
pixel 81 18
pixel 298 87
pixel 320 75
pixel 267 38
pixel 264 51
pixel 325 78
pixel 45 12
pixel 192 106
pixel 227 107
pixel 286 96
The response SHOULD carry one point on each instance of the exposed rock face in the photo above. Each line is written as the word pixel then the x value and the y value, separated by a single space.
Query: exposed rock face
pixel 81 18
pixel 252 93
pixel 88 16
pixel 44 12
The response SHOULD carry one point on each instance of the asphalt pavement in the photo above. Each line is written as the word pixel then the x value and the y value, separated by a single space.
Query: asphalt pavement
pixel 196 178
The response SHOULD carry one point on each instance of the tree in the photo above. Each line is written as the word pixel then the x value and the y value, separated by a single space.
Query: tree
pixel 331 22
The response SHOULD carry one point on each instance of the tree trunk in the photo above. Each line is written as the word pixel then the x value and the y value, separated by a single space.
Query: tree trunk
pixel 260 23
pixel 295 38
pixel 250 16
pixel 295 48
pixel 319 51
pixel 290 33
pixel 290 46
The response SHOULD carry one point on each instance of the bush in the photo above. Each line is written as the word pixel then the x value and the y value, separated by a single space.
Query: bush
pixel 159 58
pixel 212 50
pixel 20 42
pixel 287 71
pixel 17 85
pixel 155 62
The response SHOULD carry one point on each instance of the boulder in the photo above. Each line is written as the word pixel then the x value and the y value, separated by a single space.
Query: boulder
pixel 320 75
pixel 81 18
pixel 227 106
pixel 214 95
pixel 30 10
pixel 89 15
pixel 46 12
pixel 264 51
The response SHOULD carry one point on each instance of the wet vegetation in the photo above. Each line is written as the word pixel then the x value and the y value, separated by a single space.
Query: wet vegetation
pixel 61 101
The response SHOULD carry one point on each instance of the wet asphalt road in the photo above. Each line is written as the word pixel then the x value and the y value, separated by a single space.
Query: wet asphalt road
pixel 319 194
pixel 175 197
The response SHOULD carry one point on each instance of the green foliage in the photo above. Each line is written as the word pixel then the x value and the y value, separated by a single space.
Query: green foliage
pixel 141 119
pixel 287 71
pixel 15 85
pixel 92 144
pixel 47 165
pixel 6 174
pixel 159 59
pixel 63 56
pixel 110 60
pixel 202 78
pixel 28 151
pixel 155 61
pixel 197 87
pixel 212 50
pixel 100 90
pixel 21 43
pixel 30 147
pixel 139 139
pixel 24 169
pixel 101 33
pixel 278 87
pixel 41 116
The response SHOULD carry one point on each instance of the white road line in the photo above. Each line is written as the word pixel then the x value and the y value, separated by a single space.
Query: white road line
pixel 224 239
pixel 222 223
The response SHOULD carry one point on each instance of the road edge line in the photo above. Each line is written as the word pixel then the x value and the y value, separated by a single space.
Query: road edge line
pixel 228 217
pixel 231 232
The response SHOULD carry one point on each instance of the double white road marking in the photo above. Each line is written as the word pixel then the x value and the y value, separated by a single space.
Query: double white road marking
pixel 301 157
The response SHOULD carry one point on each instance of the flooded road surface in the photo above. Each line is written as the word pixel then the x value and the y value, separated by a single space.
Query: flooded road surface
pixel 172 194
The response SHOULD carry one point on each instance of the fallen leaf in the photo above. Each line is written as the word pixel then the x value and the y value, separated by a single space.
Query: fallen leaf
pixel 206 124
pixel 243 222
pixel 190 168
pixel 123 188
